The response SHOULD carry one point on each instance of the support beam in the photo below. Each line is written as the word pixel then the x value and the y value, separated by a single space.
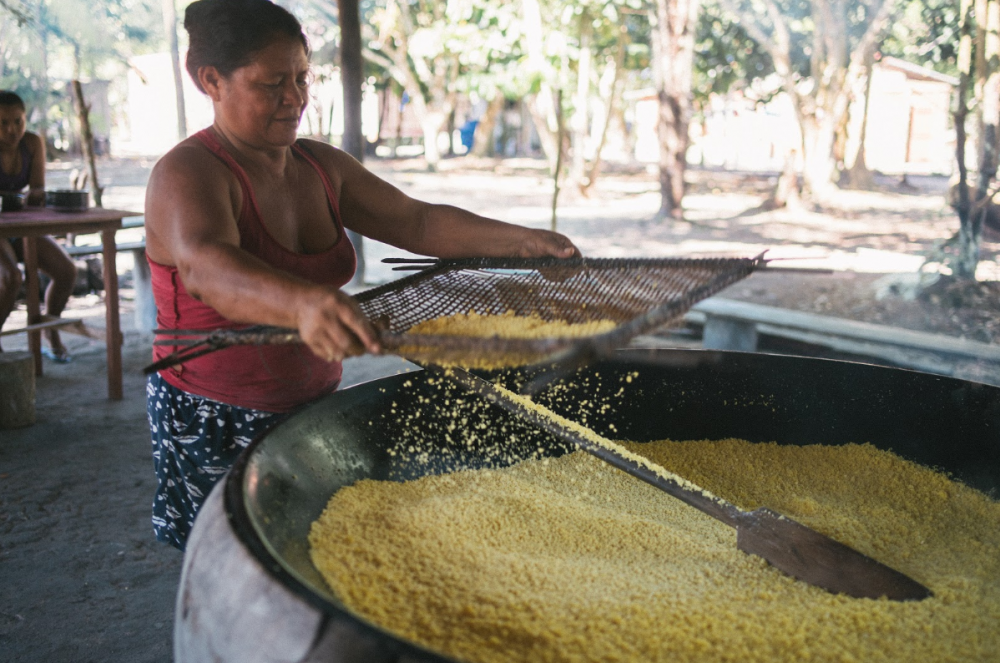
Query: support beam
pixel 352 71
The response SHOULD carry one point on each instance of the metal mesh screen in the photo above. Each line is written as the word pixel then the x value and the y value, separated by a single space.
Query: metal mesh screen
pixel 638 294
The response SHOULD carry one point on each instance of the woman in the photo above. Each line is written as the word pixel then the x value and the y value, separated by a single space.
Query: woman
pixel 22 165
pixel 245 224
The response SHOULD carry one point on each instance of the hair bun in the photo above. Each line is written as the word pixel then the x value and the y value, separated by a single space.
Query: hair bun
pixel 226 34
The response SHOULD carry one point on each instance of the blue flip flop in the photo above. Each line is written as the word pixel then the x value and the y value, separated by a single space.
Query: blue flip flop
pixel 59 359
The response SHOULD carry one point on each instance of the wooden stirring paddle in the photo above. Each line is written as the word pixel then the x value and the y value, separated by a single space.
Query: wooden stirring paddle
pixel 787 545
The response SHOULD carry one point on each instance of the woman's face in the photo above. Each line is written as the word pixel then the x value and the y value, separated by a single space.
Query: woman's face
pixel 263 102
pixel 12 126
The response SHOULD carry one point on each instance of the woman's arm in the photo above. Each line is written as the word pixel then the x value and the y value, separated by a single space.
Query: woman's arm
pixel 36 176
pixel 191 223
pixel 374 208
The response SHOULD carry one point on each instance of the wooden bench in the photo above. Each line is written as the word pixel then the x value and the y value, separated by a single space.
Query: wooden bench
pixel 145 306
pixel 734 325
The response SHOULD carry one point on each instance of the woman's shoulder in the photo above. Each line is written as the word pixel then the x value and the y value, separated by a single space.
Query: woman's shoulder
pixel 33 142
pixel 189 160
pixel 338 164
pixel 324 152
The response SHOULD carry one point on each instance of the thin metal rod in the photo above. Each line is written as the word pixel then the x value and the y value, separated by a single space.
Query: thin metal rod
pixel 408 261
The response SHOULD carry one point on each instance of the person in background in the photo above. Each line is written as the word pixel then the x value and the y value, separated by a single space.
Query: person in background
pixel 245 224
pixel 22 166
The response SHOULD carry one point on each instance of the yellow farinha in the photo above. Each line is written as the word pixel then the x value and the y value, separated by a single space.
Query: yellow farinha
pixel 509 325
pixel 568 559
pixel 501 331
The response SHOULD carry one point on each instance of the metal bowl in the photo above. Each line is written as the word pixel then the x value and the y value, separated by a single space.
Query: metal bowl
pixel 67 200
pixel 282 482
pixel 12 201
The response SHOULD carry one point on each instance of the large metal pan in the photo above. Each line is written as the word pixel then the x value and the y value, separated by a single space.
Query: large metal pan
pixel 283 481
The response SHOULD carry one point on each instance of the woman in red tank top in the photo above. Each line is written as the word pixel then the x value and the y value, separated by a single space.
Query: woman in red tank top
pixel 245 225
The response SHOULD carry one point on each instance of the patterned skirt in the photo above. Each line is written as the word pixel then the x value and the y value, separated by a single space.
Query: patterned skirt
pixel 195 442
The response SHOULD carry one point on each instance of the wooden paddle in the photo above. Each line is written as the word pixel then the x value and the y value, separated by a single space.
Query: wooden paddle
pixel 789 546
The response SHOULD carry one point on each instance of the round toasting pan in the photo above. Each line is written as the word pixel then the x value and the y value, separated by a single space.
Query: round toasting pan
pixel 281 484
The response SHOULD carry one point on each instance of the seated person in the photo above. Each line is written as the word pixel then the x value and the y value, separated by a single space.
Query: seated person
pixel 22 165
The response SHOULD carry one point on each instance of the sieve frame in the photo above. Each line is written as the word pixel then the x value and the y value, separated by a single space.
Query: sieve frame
pixel 652 306
pixel 430 348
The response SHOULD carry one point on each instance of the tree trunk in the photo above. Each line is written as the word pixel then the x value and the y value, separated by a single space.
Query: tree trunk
pixel 611 95
pixel 559 152
pixel 430 124
pixel 352 71
pixel 673 41
pixel 170 28
pixel 988 97
pixel 858 175
pixel 581 114
pixel 482 141
pixel 965 264
pixel 87 140
pixel 818 167
pixel 400 112
pixel 43 127
pixel 543 113
pixel 450 128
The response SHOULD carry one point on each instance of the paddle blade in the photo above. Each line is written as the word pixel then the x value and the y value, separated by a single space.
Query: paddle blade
pixel 811 557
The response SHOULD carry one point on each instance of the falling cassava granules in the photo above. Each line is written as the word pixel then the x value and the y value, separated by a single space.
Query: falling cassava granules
pixel 569 559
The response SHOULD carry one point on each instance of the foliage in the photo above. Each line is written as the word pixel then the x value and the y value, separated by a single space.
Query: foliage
pixel 51 41
pixel 926 32
pixel 726 57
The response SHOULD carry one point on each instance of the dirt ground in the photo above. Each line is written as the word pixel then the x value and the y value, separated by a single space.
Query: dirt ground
pixel 83 580
pixel 81 577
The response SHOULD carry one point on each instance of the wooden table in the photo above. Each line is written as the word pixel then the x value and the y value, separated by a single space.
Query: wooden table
pixel 32 223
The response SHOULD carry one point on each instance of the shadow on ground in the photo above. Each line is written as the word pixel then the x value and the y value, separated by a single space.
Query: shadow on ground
pixel 82 577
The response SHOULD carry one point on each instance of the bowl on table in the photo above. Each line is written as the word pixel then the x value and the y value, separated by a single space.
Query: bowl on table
pixel 67 200
pixel 12 201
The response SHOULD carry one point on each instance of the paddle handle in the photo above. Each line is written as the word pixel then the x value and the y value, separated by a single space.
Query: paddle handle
pixel 715 507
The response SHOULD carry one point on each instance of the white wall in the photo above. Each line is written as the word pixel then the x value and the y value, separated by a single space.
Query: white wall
pixel 149 124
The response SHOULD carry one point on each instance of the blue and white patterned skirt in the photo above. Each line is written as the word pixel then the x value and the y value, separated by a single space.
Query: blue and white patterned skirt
pixel 195 442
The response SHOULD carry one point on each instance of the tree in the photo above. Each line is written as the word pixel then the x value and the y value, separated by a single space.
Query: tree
pixel 419 44
pixel 832 37
pixel 978 66
pixel 586 47
pixel 673 40
pixel 88 40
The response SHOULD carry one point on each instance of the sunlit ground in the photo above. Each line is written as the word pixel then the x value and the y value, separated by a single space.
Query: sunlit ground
pixel 884 232
pixel 889 231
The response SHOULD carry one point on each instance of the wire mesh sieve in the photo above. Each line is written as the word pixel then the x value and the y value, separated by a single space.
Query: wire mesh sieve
pixel 636 294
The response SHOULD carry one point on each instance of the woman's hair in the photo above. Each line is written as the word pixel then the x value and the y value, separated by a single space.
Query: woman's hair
pixel 8 98
pixel 226 34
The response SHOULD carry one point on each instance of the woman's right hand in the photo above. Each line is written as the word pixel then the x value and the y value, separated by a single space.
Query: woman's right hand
pixel 332 325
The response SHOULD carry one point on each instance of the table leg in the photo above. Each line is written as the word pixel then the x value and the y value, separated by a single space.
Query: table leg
pixel 113 323
pixel 30 245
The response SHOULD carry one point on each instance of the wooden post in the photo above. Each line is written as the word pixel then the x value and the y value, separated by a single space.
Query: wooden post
pixel 33 300
pixel 17 390
pixel 112 322
pixel 87 139
pixel 170 27
pixel 352 71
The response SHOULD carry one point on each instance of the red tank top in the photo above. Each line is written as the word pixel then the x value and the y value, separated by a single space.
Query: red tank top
pixel 274 378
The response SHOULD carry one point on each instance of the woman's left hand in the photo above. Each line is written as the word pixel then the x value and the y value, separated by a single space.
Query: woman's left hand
pixel 547 244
